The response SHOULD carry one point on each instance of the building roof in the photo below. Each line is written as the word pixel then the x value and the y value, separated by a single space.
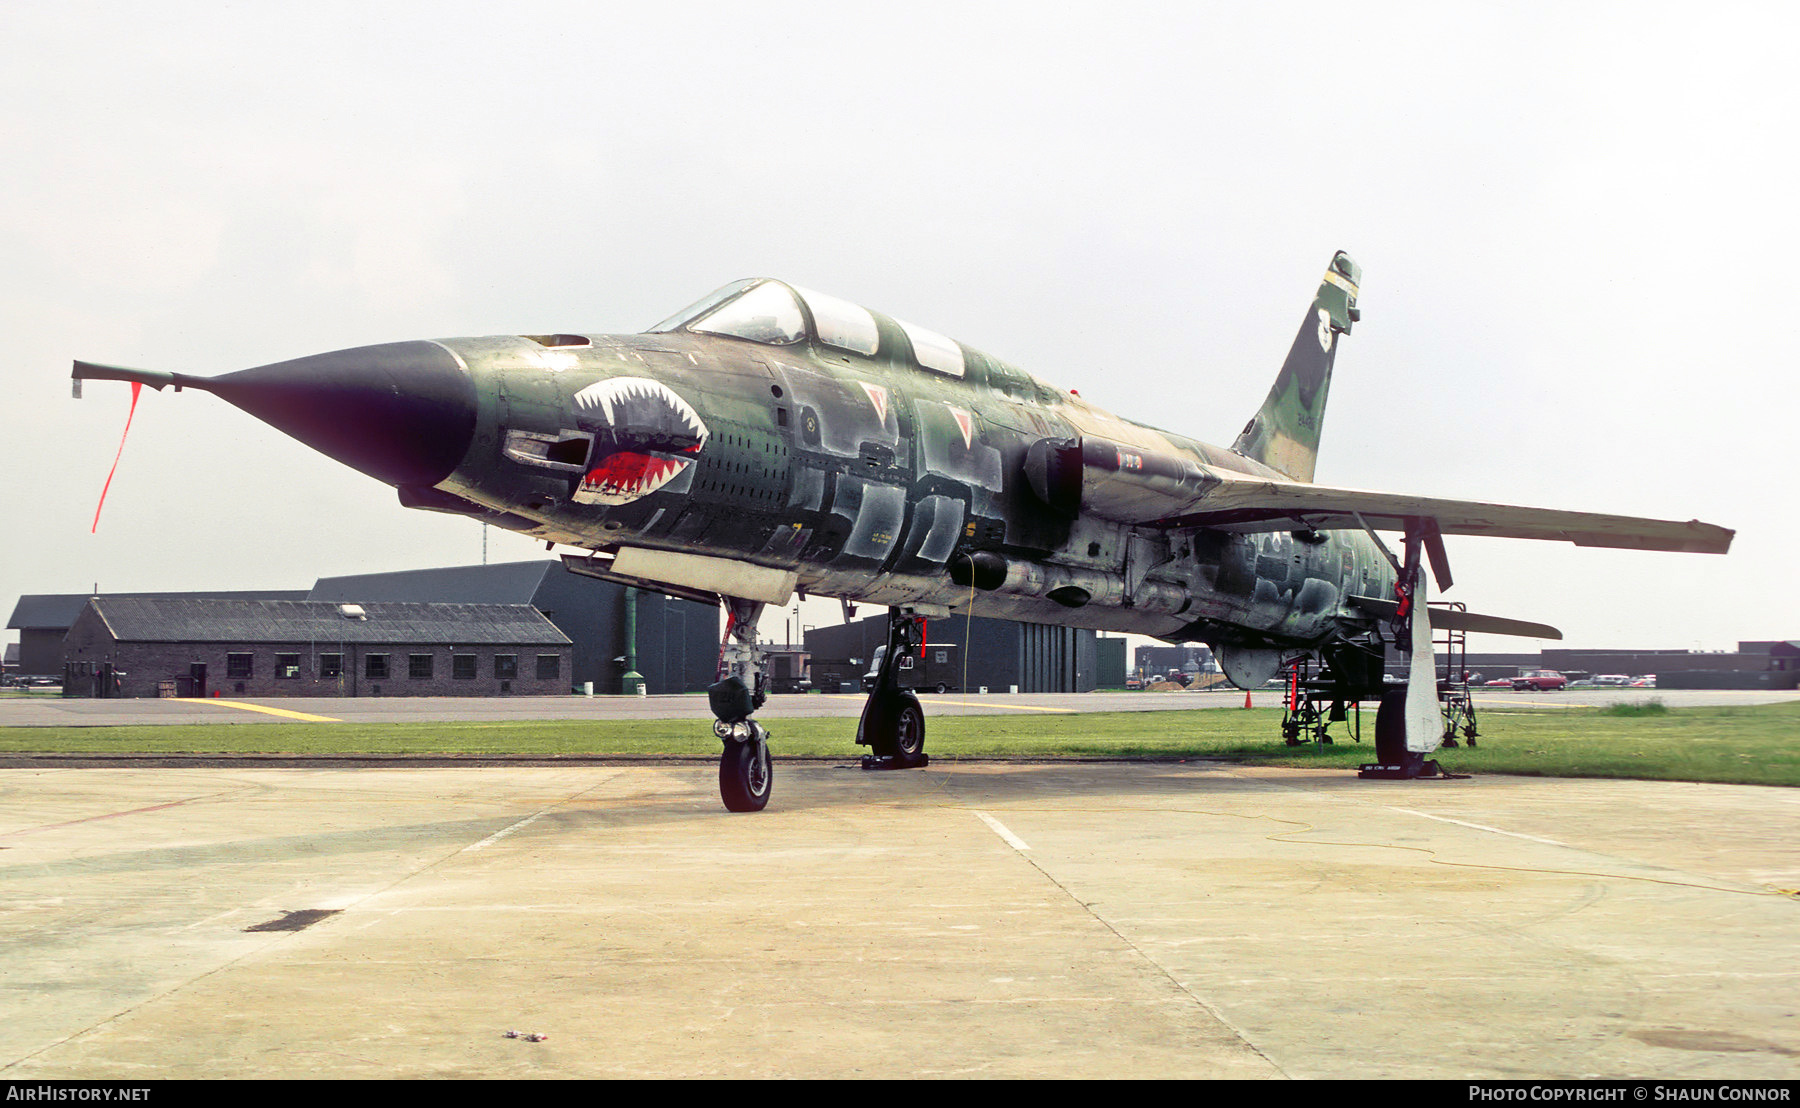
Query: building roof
pixel 500 583
pixel 58 610
pixel 190 619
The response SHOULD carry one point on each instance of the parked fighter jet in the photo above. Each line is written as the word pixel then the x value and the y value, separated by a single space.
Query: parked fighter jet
pixel 769 440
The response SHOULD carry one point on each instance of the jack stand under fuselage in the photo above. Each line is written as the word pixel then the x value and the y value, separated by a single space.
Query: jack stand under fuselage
pixel 1312 703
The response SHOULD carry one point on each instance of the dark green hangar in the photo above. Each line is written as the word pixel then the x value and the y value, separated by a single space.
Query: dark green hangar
pixel 995 654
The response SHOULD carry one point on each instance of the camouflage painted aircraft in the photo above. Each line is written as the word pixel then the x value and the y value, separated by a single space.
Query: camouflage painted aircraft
pixel 770 440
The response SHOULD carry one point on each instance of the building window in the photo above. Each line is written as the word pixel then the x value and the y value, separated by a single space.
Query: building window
pixel 549 667
pixel 506 666
pixel 462 667
pixel 418 667
pixel 375 667
pixel 287 667
pixel 331 666
pixel 238 665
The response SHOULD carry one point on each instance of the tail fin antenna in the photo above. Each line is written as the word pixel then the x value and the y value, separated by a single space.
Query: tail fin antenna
pixel 1284 433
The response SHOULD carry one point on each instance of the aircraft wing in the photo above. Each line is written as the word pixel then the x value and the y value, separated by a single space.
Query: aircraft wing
pixel 1246 504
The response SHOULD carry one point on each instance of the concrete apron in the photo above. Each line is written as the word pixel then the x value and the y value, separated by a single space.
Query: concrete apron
pixel 964 920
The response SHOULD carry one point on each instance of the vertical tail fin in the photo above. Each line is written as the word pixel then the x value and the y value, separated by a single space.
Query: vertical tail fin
pixel 1284 433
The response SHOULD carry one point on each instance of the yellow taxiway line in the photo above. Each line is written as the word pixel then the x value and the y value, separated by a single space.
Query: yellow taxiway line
pixel 257 708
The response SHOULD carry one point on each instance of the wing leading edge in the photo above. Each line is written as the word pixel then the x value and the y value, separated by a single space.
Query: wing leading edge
pixel 1129 484
pixel 1259 504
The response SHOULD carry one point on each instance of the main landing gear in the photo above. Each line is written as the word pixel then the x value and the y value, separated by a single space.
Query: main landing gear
pixel 746 773
pixel 893 722
pixel 1393 759
pixel 1409 725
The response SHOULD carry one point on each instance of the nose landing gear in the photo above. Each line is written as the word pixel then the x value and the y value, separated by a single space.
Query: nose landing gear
pixel 746 772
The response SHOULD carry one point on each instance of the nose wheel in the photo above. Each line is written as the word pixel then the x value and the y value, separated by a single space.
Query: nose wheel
pixel 746 773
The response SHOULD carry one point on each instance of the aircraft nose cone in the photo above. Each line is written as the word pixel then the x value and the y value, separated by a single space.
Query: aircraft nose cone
pixel 402 412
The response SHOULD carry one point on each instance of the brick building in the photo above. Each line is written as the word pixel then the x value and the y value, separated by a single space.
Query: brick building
pixel 677 640
pixel 42 619
pixel 185 646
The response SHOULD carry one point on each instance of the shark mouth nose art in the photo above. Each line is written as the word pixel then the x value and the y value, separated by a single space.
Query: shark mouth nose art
pixel 642 431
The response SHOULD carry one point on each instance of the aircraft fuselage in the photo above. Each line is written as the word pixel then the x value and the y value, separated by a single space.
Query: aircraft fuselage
pixel 871 479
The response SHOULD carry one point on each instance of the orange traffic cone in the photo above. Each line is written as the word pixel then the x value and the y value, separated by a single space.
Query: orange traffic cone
pixel 1246 698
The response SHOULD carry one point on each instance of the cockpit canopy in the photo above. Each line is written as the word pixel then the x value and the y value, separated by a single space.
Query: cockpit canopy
pixel 768 311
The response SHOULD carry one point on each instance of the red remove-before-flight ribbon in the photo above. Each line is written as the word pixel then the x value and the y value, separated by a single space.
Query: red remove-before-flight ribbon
pixel 136 388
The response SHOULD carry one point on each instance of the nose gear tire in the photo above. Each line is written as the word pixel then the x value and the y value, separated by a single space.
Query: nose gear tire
pixel 746 776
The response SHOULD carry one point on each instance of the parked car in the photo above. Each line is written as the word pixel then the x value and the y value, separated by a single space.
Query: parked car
pixel 1542 680
pixel 1618 679
pixel 1647 681
pixel 1498 683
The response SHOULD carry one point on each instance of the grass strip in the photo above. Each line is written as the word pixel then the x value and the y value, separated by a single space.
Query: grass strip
pixel 1757 745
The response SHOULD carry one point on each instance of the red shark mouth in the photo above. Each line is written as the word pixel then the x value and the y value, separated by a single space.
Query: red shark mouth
pixel 623 477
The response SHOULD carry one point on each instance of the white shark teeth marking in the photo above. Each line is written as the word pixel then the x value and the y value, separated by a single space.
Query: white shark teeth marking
pixel 602 396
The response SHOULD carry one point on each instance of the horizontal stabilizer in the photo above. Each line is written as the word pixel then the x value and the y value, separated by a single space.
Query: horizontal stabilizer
pixel 1450 619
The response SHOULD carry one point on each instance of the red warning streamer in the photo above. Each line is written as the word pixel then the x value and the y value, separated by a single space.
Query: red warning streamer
pixel 136 388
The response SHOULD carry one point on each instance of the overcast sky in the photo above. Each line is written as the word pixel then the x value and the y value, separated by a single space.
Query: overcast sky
pixel 1576 221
